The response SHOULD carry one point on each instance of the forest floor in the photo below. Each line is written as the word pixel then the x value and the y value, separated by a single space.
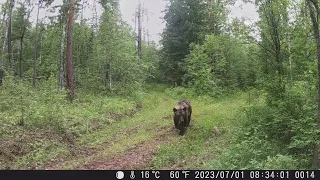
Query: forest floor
pixel 147 139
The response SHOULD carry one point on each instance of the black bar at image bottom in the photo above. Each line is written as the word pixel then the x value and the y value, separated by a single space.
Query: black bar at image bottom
pixel 159 174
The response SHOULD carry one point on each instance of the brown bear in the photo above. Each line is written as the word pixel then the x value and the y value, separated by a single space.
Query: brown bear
pixel 182 115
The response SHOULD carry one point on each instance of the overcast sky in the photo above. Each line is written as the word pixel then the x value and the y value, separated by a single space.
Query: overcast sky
pixel 156 25
pixel 155 8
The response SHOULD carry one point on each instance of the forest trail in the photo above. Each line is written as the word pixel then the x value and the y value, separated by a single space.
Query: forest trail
pixel 148 138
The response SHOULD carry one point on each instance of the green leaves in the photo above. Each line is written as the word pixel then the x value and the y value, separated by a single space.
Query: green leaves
pixel 184 25
pixel 216 16
pixel 221 63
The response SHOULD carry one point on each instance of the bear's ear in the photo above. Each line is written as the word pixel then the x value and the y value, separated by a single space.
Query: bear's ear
pixel 185 108
pixel 174 109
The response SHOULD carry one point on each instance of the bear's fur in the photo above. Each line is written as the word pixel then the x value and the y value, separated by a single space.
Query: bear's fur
pixel 182 115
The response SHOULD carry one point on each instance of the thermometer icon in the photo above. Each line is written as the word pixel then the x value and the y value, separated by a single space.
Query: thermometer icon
pixel 132 176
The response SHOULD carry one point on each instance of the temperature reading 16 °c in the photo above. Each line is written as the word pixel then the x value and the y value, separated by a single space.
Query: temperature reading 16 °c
pixel 146 174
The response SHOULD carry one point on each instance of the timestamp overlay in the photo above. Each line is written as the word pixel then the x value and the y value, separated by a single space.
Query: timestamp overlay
pixel 219 174
pixel 160 174
pixel 283 174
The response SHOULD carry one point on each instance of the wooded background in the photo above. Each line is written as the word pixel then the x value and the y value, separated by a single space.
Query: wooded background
pixel 201 51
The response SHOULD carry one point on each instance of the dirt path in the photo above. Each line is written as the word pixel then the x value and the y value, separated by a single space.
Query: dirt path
pixel 133 142
pixel 134 152
pixel 138 157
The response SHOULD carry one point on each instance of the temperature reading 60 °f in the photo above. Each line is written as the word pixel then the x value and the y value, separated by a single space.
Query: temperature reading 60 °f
pixel 146 174
pixel 176 174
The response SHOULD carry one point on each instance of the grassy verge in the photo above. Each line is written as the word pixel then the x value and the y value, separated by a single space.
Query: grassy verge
pixel 51 124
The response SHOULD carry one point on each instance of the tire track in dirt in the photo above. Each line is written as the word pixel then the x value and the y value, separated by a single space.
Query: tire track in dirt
pixel 79 152
pixel 138 157
pixel 135 156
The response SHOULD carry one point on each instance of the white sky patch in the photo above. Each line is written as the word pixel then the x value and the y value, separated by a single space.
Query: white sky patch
pixel 155 24
pixel 248 11
pixel 154 10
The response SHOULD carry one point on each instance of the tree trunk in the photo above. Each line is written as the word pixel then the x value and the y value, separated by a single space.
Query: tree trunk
pixel 139 30
pixel 95 17
pixel 36 48
pixel 80 45
pixel 5 37
pixel 21 44
pixel 290 59
pixel 20 57
pixel 107 72
pixel 61 69
pixel 70 78
pixel 107 76
pixel 148 35
pixel 9 34
pixel 3 50
pixel 314 14
pixel 5 41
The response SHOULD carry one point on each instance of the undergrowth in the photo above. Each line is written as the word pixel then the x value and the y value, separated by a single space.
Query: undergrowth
pixel 37 124
pixel 40 126
pixel 278 137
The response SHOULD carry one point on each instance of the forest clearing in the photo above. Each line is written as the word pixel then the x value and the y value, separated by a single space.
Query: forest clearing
pixel 133 137
pixel 82 88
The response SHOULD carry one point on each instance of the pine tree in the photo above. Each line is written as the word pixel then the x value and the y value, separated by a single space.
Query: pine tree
pixel 184 25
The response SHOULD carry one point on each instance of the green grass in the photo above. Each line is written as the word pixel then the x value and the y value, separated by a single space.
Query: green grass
pixel 56 131
pixel 118 137
pixel 40 155
pixel 51 123
pixel 199 144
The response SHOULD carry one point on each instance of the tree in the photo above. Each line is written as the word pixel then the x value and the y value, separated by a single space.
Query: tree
pixel 220 64
pixel 240 30
pixel 4 43
pixel 115 58
pixel 40 2
pixel 62 19
pixel 216 14
pixel 10 34
pixel 273 28
pixel 19 26
pixel 184 25
pixel 139 30
pixel 36 45
pixel 69 67
pixel 315 15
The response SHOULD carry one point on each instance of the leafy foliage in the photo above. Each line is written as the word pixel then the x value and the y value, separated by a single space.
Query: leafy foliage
pixel 184 25
pixel 221 64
